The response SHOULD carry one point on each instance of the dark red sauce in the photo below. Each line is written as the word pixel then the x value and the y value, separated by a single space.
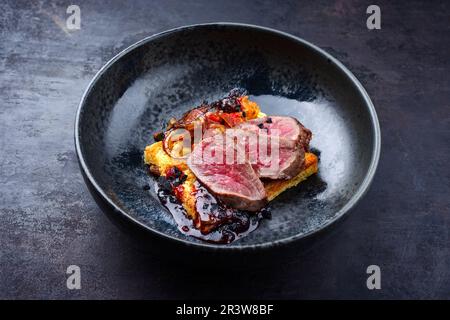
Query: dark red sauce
pixel 214 222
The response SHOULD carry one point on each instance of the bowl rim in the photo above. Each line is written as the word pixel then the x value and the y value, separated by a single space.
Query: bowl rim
pixel 351 203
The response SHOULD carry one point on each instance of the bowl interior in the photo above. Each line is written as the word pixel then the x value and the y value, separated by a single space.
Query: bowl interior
pixel 169 74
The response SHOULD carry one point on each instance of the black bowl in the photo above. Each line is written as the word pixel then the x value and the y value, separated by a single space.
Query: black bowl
pixel 166 74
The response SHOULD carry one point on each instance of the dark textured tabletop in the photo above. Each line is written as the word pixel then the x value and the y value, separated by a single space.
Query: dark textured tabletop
pixel 49 221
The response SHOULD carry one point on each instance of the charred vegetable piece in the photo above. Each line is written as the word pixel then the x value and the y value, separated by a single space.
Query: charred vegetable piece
pixel 158 136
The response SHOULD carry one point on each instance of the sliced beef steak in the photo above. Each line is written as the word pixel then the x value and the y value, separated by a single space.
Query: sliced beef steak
pixel 292 142
pixel 286 127
pixel 279 159
pixel 235 183
pixel 271 157
pixel 230 165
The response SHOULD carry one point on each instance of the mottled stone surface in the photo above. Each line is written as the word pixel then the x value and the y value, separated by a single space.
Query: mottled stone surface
pixel 48 220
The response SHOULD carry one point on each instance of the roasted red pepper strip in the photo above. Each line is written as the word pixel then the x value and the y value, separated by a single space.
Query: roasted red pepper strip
pixel 214 117
pixel 232 119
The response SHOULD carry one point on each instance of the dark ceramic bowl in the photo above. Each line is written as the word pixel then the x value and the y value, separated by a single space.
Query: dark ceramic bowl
pixel 168 73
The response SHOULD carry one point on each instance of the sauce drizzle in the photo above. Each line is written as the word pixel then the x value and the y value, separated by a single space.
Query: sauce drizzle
pixel 215 222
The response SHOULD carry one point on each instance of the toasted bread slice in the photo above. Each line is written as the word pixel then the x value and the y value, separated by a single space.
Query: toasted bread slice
pixel 159 162
pixel 276 187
